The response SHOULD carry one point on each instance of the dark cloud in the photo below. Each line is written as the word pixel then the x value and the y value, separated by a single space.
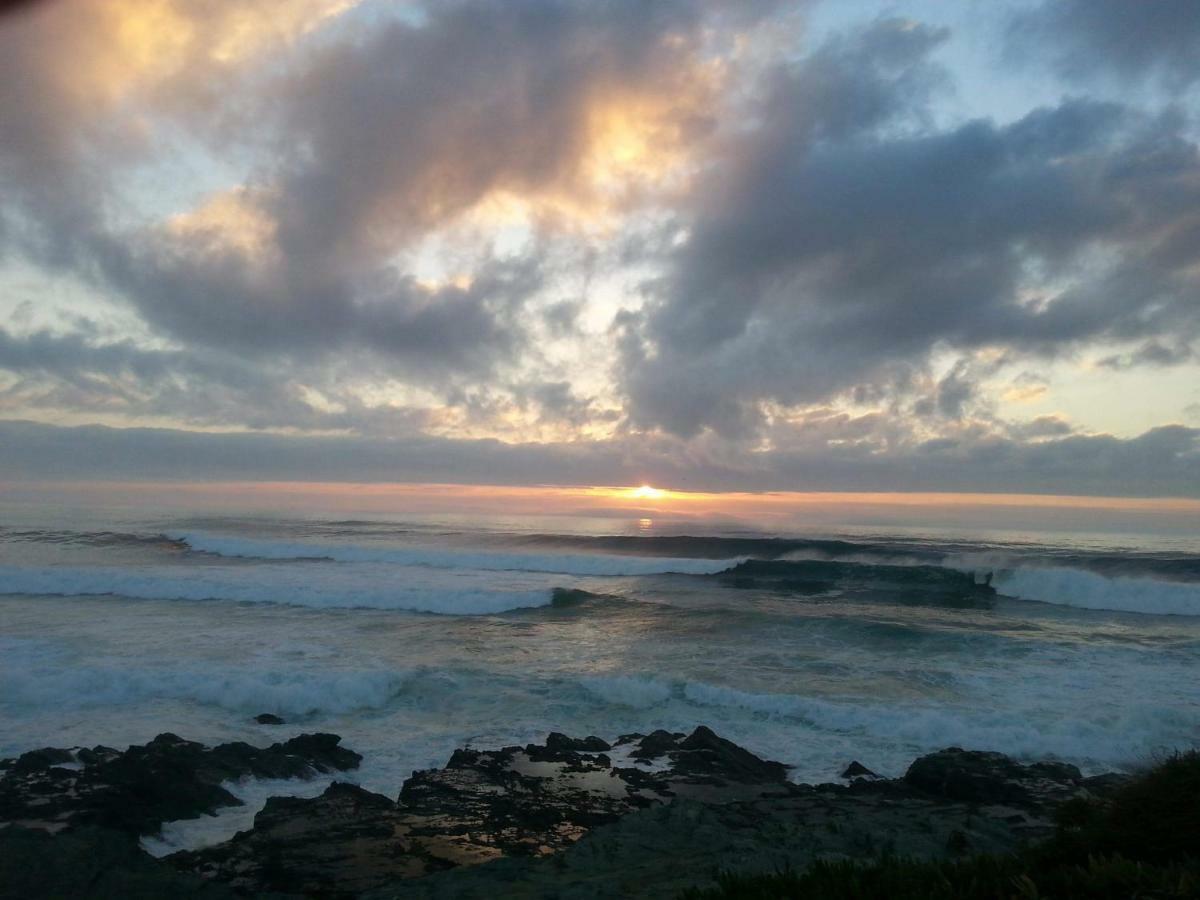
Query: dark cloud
pixel 829 249
pixel 1129 40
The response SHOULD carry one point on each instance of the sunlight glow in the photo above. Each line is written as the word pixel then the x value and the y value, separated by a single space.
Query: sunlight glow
pixel 645 492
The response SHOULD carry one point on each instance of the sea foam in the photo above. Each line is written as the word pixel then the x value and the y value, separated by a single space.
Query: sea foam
pixel 1088 590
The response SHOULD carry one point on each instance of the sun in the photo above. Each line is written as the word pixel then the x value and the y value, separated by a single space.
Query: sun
pixel 645 492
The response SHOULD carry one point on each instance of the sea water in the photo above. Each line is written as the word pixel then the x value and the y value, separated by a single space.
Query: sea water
pixel 411 636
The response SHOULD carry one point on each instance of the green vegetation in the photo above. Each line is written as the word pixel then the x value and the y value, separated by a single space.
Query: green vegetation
pixel 1143 842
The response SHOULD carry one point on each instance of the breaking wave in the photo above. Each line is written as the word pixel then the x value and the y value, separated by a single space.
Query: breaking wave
pixel 1087 590
pixel 1015 728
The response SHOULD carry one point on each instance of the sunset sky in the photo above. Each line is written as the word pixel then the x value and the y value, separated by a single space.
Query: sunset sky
pixel 706 246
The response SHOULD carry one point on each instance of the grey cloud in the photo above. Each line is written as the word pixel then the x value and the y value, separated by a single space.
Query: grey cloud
pixel 819 259
pixel 1083 37
pixel 392 130
pixel 1152 353
pixel 75 372
pixel 1161 462
pixel 400 132
pixel 1042 426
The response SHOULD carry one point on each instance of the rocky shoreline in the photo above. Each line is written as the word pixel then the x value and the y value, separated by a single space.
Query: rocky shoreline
pixel 647 815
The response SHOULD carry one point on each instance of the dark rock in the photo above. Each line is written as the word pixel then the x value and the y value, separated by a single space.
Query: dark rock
pixel 92 863
pixel 268 719
pixel 591 744
pixel 973 776
pixel 706 753
pixel 135 791
pixel 1104 785
pixel 858 770
pixel 553 819
pixel 655 744
pixel 96 754
pixel 36 760
pixel 485 805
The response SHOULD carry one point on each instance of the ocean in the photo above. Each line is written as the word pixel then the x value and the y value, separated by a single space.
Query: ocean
pixel 412 636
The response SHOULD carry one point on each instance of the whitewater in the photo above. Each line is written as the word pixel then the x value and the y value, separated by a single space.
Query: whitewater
pixel 413 636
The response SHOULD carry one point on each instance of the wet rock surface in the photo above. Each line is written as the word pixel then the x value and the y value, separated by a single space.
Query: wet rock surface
pixel 645 815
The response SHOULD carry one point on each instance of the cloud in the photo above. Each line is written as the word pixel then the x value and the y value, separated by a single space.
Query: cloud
pixel 1128 40
pixel 1161 462
pixel 832 247
pixel 558 110
pixel 683 241
pixel 1152 353
pixel 1042 426
pixel 80 78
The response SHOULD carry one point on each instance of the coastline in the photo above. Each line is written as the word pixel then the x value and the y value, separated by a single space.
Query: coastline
pixel 643 814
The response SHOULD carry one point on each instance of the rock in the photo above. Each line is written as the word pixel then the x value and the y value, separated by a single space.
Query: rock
pixel 135 791
pixel 703 752
pixel 857 770
pixel 268 719
pixel 92 863
pixel 973 776
pixel 591 744
pixel 655 744
pixel 36 760
pixel 484 805
pixel 552 819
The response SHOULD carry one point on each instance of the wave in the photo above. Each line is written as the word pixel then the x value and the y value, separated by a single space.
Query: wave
pixel 912 583
pixel 1114 736
pixel 291 694
pixel 92 538
pixel 954 587
pixel 432 557
pixel 1087 590
pixel 365 588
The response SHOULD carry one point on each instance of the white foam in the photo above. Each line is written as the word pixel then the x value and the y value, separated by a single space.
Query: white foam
pixel 311 586
pixel 204 831
pixel 627 690
pixel 1015 726
pixel 1088 590
pixel 609 565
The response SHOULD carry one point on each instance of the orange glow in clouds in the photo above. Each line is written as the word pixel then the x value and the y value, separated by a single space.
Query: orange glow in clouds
pixel 645 492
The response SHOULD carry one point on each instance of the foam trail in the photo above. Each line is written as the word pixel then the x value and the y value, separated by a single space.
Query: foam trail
pixel 1086 590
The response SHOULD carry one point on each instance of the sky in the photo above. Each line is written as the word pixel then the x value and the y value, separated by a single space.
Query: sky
pixel 714 247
